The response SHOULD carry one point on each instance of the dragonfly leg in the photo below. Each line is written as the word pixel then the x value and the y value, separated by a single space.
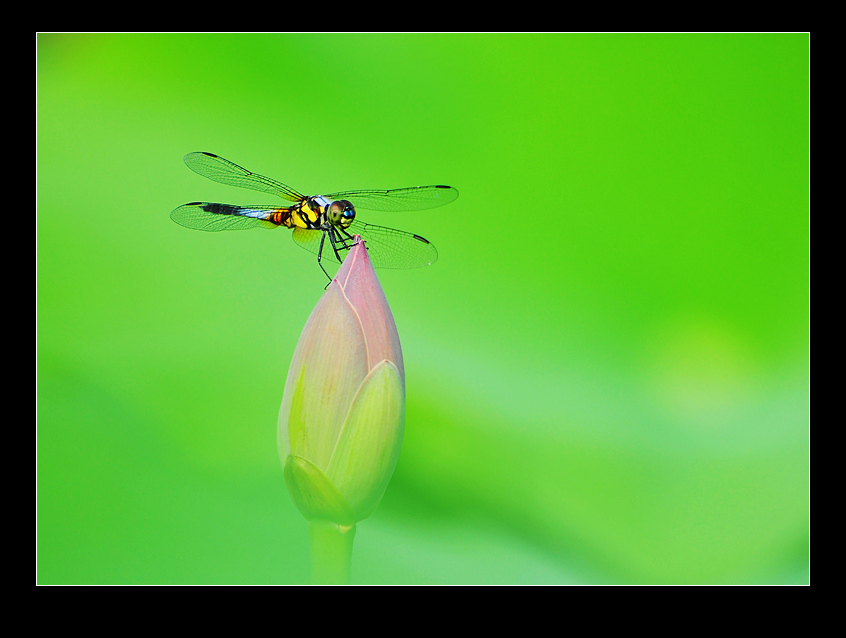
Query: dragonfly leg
pixel 348 237
pixel 320 255
pixel 340 241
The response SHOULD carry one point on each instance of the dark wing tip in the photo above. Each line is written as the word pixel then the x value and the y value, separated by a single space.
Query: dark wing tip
pixel 449 188
pixel 195 153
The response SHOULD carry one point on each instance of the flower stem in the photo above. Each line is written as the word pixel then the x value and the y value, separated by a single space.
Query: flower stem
pixel 331 552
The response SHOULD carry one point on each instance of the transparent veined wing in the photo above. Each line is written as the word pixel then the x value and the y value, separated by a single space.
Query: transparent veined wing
pixel 213 217
pixel 222 170
pixel 392 248
pixel 386 247
pixel 310 240
pixel 399 199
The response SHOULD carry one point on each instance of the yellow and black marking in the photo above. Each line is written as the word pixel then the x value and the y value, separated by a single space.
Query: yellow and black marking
pixel 308 214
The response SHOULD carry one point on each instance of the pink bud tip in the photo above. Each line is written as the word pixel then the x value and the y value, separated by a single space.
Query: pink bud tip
pixel 358 281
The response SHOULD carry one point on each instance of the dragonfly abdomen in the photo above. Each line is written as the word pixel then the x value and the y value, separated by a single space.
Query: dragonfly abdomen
pixel 297 216
pixel 217 209
pixel 276 217
pixel 281 217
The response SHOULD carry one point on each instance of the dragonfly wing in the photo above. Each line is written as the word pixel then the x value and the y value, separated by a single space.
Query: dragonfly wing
pixel 310 240
pixel 386 247
pixel 391 248
pixel 213 217
pixel 399 199
pixel 222 170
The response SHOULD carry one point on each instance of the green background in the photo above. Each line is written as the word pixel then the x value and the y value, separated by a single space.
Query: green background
pixel 607 369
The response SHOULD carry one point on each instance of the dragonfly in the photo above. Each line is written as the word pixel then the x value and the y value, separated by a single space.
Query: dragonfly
pixel 325 225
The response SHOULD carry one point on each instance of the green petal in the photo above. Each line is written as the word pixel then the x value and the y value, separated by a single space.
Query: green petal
pixel 328 366
pixel 314 494
pixel 361 288
pixel 290 425
pixel 369 443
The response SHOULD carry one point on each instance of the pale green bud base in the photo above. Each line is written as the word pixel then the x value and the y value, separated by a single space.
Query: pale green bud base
pixel 331 552
pixel 314 494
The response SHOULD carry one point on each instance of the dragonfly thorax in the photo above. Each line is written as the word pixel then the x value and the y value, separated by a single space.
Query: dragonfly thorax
pixel 331 212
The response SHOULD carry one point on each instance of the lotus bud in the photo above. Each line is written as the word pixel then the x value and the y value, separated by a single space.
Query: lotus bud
pixel 341 420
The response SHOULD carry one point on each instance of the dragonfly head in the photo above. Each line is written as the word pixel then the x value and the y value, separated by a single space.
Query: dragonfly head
pixel 341 213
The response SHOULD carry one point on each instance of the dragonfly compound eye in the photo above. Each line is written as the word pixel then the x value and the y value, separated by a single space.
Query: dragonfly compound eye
pixel 342 213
